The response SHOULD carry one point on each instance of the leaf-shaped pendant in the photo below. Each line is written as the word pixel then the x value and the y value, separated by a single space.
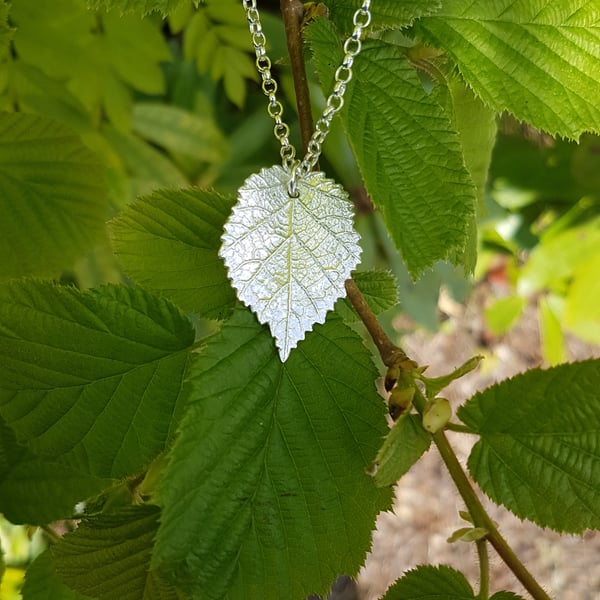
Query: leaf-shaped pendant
pixel 288 258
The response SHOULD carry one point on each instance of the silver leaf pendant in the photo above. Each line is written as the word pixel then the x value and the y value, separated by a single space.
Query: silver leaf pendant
pixel 288 258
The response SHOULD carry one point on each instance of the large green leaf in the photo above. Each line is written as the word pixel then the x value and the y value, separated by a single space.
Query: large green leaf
pixel 266 495
pixel 406 148
pixel 108 556
pixel 386 13
pixel 537 59
pixel 538 452
pixel 169 242
pixel 38 491
pixel 431 583
pixel 53 200
pixel 42 583
pixel 93 379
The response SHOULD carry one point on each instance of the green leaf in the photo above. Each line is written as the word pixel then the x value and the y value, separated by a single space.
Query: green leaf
pixel 538 60
pixel 53 199
pixel 179 131
pixel 553 262
pixel 91 379
pixel 38 491
pixel 406 442
pixel 108 556
pixel 42 583
pixel 538 452
pixel 169 242
pixel 378 288
pixel 476 126
pixel 386 13
pixel 150 168
pixel 408 153
pixel 288 256
pixel 552 338
pixel 506 596
pixel 136 48
pixel 269 467
pixel 582 309
pixel 431 583
pixel 98 58
pixel 141 7
pixel 504 313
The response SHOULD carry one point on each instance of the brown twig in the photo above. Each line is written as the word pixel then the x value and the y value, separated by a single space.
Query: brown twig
pixel 390 353
pixel 293 13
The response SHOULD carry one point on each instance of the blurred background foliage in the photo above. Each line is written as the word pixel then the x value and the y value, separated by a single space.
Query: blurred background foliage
pixel 176 102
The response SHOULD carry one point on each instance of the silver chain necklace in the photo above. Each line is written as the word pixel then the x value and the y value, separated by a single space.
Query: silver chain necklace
pixel 335 101
pixel 289 244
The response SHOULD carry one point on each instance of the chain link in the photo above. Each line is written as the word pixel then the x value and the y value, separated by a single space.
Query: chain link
pixel 333 104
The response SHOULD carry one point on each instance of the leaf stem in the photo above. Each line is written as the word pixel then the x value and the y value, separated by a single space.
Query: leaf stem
pixel 293 13
pixel 459 428
pixel 389 352
pixel 484 569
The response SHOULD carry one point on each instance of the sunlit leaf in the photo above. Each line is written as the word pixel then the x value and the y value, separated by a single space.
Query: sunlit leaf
pixel 386 13
pixel 53 199
pixel 407 150
pixel 538 60
pixel 179 131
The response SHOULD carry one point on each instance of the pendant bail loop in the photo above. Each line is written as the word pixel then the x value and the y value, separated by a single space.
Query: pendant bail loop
pixel 292 187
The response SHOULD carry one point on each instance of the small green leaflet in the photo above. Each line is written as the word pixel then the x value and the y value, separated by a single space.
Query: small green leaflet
pixel 38 491
pixel 289 256
pixel 538 452
pixel 108 556
pixel 269 466
pixel 91 379
pixel 408 152
pixel 53 199
pixel 379 289
pixel 431 583
pixel 169 241
pixel 406 442
pixel 538 60
pixel 386 13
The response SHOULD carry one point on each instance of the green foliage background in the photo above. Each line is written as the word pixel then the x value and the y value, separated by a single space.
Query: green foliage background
pixel 131 380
